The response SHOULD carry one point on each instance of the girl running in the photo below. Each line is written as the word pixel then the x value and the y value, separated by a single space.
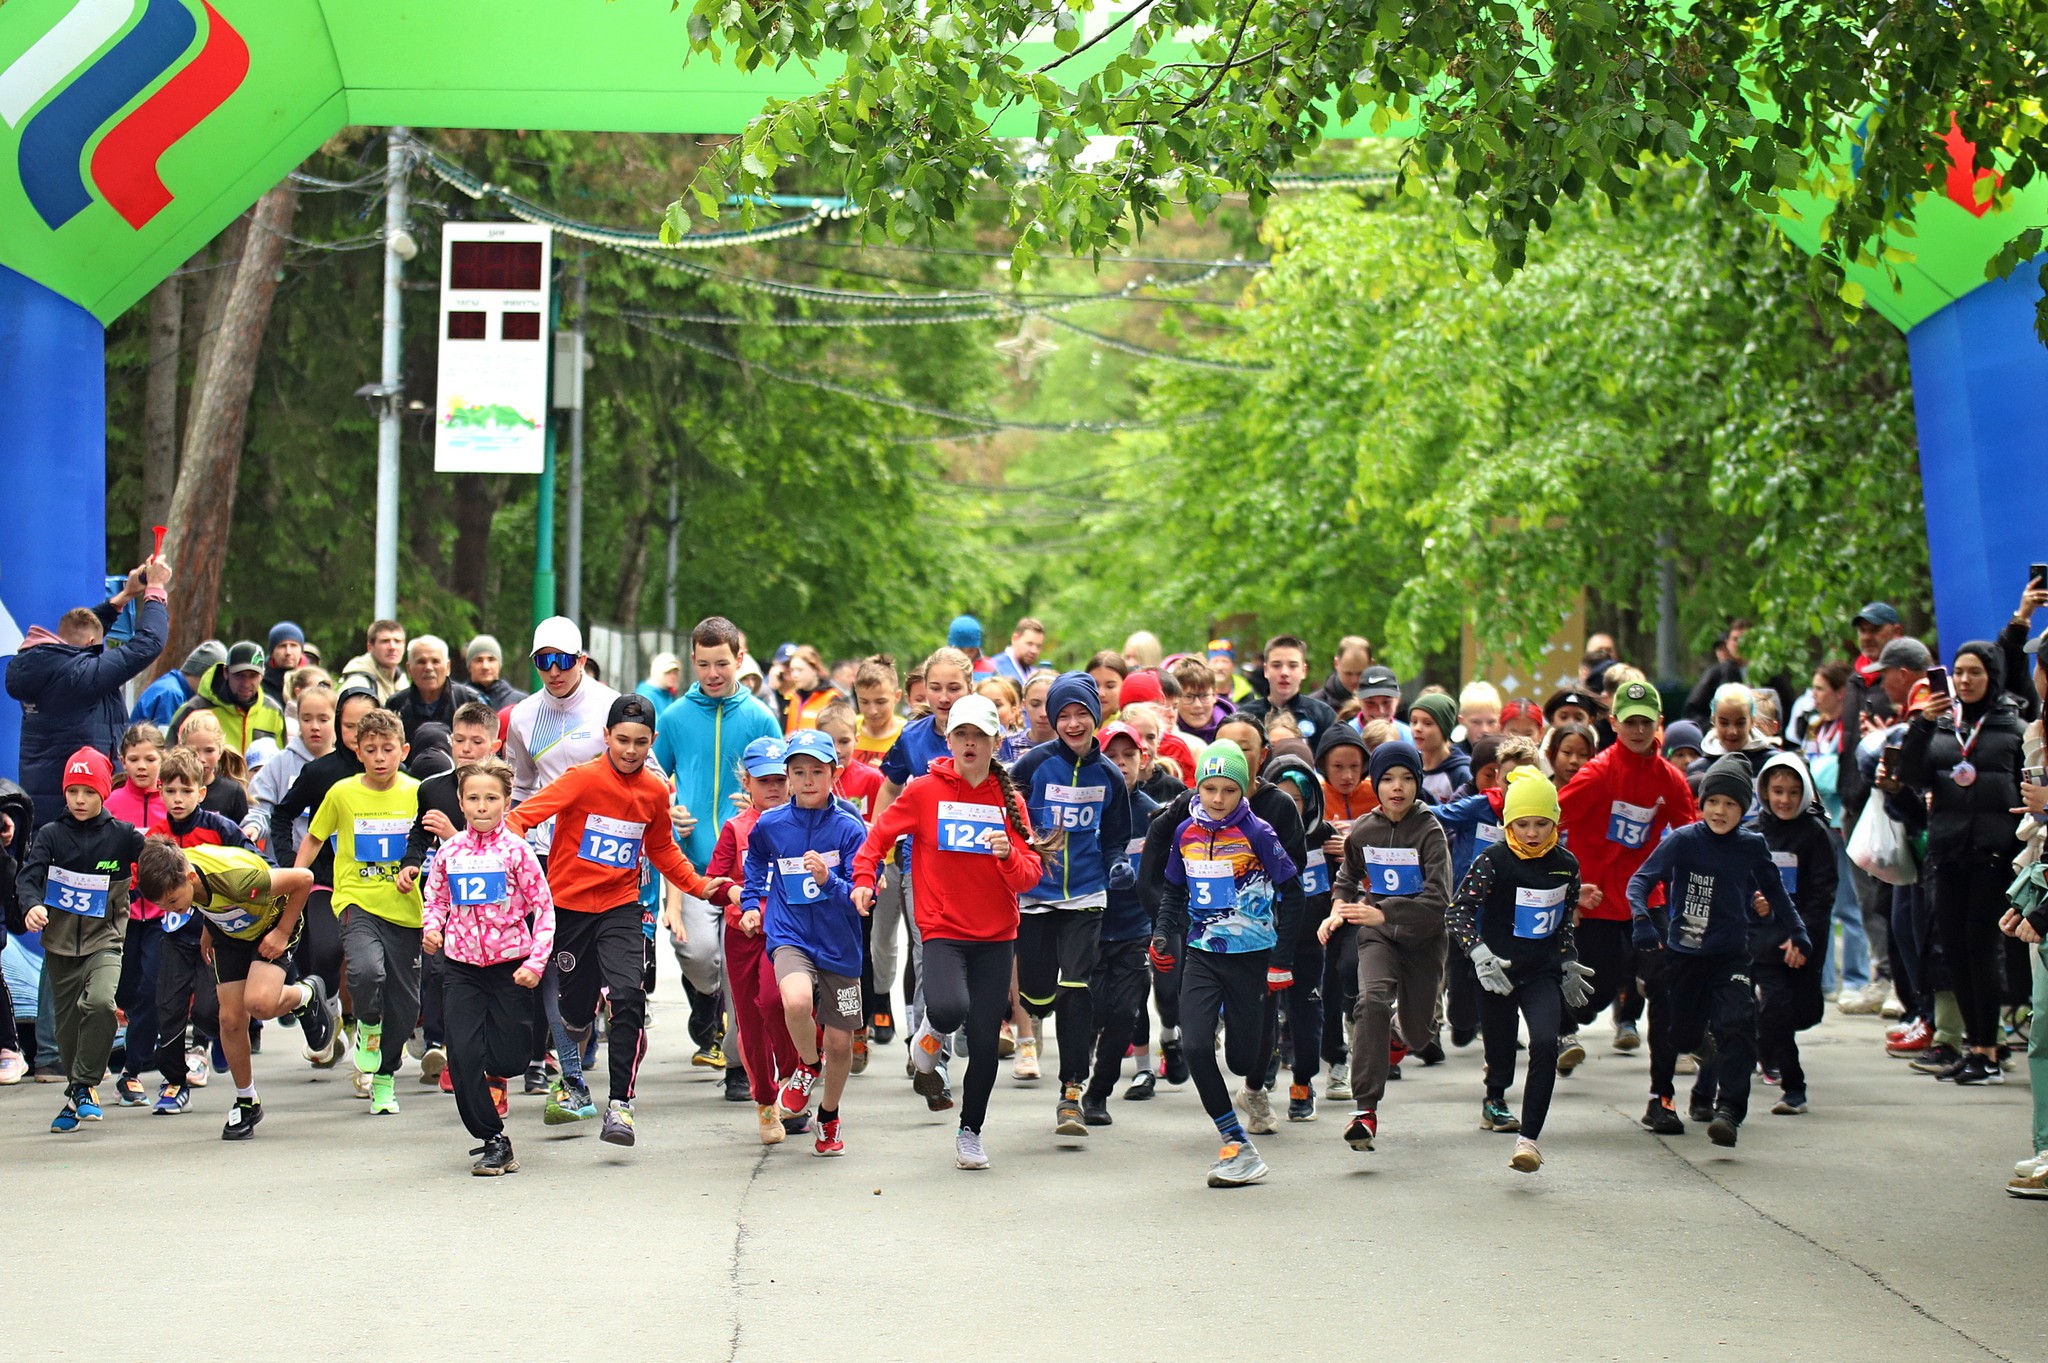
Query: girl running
pixel 971 840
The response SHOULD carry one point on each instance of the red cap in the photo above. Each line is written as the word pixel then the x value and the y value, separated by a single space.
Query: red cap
pixel 1521 709
pixel 90 767
pixel 1119 729
pixel 1141 686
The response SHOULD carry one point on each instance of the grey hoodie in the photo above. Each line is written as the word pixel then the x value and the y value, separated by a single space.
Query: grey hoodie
pixel 1413 917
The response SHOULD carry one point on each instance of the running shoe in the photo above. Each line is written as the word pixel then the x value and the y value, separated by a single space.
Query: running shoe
pixel 931 1086
pixel 337 1040
pixel 1363 1130
pixel 795 1096
pixel 1143 1085
pixel 1527 1158
pixel 2029 1185
pixel 1257 1107
pixel 1095 1111
pixel 1301 1103
pixel 1025 1064
pixel 1688 1063
pixel 1173 1062
pixel 383 1097
pixel 1570 1053
pixel 883 1030
pixel 1938 1057
pixel 1393 1073
pixel 1338 1090
pixel 1237 1164
pixel 1980 1069
pixel 1767 1074
pixel 219 1056
pixel 797 1125
pixel 2035 1164
pixel 416 1046
pixel 1949 1074
pixel 1432 1054
pixel 446 1083
pixel 195 1067
pixel 494 1158
pixel 828 1142
pixel 709 1056
pixel 1721 1131
pixel 242 1119
pixel 1891 1007
pixel 54 1074
pixel 171 1099
pixel 859 1064
pixel 737 1090
pixel 1910 1041
pixel 128 1092
pixel 316 1017
pixel 568 1102
pixel 434 1064
pixel 1006 1042
pixel 1397 1051
pixel 769 1124
pixel 369 1046
pixel 67 1118
pixel 1494 1115
pixel 618 1123
pixel 87 1101
pixel 1700 1109
pixel 967 1151
pixel 1626 1037
pixel 1662 1119
pixel 536 1079
pixel 1461 1037
pixel 501 1096
pixel 1791 1103
pixel 1869 999
pixel 1067 1114
pixel 359 1083
pixel 13 1068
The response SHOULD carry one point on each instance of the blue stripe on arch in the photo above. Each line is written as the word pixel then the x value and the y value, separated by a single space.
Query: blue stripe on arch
pixel 53 144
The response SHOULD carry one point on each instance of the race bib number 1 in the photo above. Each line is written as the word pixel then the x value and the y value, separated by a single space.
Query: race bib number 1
pixel 1212 885
pixel 1394 870
pixel 379 840
pixel 476 881
pixel 968 827
pixel 77 892
pixel 1315 877
pixel 1539 913
pixel 611 842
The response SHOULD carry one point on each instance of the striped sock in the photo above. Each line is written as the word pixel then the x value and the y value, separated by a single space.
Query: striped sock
pixel 1230 1128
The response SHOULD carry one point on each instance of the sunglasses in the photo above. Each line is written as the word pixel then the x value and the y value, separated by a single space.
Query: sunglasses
pixel 553 660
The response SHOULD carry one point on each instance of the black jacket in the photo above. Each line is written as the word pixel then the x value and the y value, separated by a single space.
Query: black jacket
pixel 71 698
pixel 1852 783
pixel 1334 693
pixel 1699 704
pixel 436 792
pixel 1315 718
pixel 1977 817
pixel 412 710
pixel 100 846
pixel 316 778
pixel 500 694
pixel 1486 908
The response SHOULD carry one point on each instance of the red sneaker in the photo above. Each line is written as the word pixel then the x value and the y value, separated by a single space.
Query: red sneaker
pixel 1397 1051
pixel 796 1091
pixel 1912 1041
pixel 447 1080
pixel 828 1139
pixel 499 1098
pixel 1363 1130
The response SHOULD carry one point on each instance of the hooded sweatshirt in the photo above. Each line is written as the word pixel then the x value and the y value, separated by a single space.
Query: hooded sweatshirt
pixel 142 809
pixel 80 871
pixel 698 742
pixel 818 920
pixel 1363 799
pixel 1080 794
pixel 1286 772
pixel 1404 868
pixel 1615 809
pixel 1804 854
pixel 1709 879
pixel 240 724
pixel 965 893
pixel 267 788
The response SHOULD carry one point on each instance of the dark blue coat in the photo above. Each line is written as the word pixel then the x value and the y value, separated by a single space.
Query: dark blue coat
pixel 71 699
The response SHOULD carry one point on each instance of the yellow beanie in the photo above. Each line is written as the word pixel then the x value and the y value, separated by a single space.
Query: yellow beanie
pixel 1529 796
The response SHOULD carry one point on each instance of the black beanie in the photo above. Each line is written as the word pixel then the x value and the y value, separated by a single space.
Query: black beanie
pixel 1728 776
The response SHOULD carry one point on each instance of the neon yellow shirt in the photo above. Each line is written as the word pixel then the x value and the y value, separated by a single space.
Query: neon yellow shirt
pixel 369 829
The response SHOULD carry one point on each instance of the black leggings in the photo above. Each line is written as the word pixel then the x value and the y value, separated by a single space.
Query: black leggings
pixel 1056 955
pixel 1340 992
pixel 1537 999
pixel 1605 949
pixel 1231 987
pixel 1969 897
pixel 319 947
pixel 968 983
pixel 1117 991
pixel 184 989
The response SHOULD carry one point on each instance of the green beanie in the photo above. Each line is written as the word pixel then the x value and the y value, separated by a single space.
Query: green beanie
pixel 1440 708
pixel 1225 759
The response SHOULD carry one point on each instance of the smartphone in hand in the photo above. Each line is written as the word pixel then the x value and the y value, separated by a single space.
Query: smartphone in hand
pixel 2039 572
pixel 1937 680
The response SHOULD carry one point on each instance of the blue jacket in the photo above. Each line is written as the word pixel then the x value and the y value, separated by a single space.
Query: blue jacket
pixel 818 920
pixel 1128 918
pixel 71 698
pixel 698 742
pixel 161 699
pixel 916 748
pixel 1083 796
pixel 1709 879
pixel 1463 818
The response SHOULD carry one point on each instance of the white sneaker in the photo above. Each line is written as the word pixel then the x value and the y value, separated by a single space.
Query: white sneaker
pixel 1339 1089
pixel 2028 1168
pixel 361 1081
pixel 967 1151
pixel 1025 1066
pixel 13 1068
pixel 1688 1063
pixel 1862 1002
pixel 1257 1106
pixel 1891 1007
pixel 1527 1158
pixel 196 1070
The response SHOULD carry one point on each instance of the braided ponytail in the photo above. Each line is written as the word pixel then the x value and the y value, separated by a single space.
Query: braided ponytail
pixel 1051 840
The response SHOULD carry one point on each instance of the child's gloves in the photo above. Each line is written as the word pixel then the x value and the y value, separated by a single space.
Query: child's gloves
pixel 1578 983
pixel 1160 953
pixel 1644 935
pixel 1121 876
pixel 1493 977
pixel 1279 979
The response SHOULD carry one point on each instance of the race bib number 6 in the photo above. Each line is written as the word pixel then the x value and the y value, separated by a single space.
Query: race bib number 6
pixel 611 842
pixel 78 892
pixel 1394 870
pixel 968 827
pixel 799 886
pixel 1539 913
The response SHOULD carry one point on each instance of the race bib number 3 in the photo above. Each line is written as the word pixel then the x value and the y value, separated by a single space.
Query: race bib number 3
pixel 1394 870
pixel 476 881
pixel 1539 913
pixel 799 886
pixel 1788 870
pixel 611 842
pixel 1629 825
pixel 1315 877
pixel 379 840
pixel 968 827
pixel 1212 885
pixel 78 892
pixel 1074 807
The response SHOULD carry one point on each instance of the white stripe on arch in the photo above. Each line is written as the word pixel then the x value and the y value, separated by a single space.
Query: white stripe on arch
pixel 68 45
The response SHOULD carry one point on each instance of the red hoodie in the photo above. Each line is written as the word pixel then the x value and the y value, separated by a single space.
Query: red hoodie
pixel 960 896
pixel 1615 812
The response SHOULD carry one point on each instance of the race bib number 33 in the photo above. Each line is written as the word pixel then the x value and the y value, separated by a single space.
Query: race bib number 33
pixel 611 842
pixel 1394 870
pixel 79 892
pixel 968 827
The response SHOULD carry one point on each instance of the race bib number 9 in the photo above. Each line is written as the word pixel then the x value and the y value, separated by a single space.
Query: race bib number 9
pixel 1074 807
pixel 1394 870
pixel 968 827
pixel 476 881
pixel 78 892
pixel 799 886
pixel 1788 870
pixel 611 842
pixel 1539 913
pixel 379 840
pixel 1212 885
pixel 1629 825
pixel 1315 877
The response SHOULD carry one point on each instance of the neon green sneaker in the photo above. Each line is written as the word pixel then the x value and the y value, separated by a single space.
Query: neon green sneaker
pixel 369 1046
pixel 383 1099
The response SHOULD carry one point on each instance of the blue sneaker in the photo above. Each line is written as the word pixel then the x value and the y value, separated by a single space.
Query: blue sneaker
pixel 87 1101
pixel 66 1120
pixel 171 1099
pixel 220 1058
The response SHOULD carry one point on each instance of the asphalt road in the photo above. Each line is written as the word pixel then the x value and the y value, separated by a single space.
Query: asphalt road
pixel 1876 1227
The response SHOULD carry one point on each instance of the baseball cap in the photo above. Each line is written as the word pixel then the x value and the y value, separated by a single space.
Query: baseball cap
pixel 964 632
pixel 1876 613
pixel 557 633
pixel 765 757
pixel 812 743
pixel 1907 652
pixel 1559 699
pixel 630 709
pixel 245 656
pixel 977 712
pixel 783 653
pixel 1637 698
pixel 1118 729
pixel 1378 680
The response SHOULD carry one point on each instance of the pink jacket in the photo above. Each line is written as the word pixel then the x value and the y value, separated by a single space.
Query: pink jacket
pixel 130 805
pixel 500 867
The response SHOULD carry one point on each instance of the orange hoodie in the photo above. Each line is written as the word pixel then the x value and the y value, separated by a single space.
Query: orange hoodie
pixel 603 820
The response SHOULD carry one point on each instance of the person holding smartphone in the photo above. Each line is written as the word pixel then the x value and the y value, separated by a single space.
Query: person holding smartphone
pixel 1964 746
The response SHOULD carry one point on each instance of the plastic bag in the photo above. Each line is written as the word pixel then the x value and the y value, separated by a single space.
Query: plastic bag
pixel 1879 846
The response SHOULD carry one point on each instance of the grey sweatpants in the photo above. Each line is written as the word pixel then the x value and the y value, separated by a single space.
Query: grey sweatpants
pixel 1393 964
pixel 383 978
pixel 81 994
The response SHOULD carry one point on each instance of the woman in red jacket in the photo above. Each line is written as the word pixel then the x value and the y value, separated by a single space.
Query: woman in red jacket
pixel 970 839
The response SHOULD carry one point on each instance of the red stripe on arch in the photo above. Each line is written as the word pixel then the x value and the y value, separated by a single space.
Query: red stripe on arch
pixel 124 165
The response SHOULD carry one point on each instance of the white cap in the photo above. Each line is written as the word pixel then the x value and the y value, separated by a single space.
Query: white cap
pixel 557 632
pixel 977 711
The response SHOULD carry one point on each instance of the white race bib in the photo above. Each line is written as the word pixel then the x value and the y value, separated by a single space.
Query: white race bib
pixel 80 892
pixel 1539 913
pixel 374 841
pixel 799 886
pixel 611 842
pixel 1393 870
pixel 1212 885
pixel 968 827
